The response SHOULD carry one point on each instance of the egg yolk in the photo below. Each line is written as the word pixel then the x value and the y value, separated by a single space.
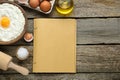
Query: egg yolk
pixel 5 22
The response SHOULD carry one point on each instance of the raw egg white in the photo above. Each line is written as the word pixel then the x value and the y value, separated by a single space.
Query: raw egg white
pixel 12 22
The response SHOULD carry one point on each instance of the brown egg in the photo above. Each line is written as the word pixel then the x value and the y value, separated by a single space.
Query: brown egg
pixel 34 3
pixel 45 6
pixel 46 0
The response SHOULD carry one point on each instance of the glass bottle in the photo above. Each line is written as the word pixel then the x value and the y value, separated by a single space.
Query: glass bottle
pixel 64 6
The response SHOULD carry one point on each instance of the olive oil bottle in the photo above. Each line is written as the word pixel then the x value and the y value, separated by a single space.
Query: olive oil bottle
pixel 64 6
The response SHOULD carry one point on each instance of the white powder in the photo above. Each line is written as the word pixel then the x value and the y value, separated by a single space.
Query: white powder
pixel 22 53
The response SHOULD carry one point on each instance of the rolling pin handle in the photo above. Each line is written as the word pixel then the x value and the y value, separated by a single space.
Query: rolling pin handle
pixel 19 69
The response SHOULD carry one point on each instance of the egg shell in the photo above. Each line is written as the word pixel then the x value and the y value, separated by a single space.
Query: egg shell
pixel 46 0
pixel 45 6
pixel 34 3
pixel 28 37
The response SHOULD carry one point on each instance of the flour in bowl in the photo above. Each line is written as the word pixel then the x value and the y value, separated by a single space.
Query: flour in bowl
pixel 12 22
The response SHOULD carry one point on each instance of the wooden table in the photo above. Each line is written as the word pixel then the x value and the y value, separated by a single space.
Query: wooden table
pixel 98 43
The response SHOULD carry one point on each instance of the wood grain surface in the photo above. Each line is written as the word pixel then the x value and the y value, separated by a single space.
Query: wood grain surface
pixel 90 58
pixel 90 31
pixel 98 42
pixel 79 76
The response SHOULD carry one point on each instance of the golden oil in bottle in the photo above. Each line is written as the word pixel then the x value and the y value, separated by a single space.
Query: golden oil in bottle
pixel 64 6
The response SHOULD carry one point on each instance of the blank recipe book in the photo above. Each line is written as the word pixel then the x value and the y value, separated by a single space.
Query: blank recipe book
pixel 54 46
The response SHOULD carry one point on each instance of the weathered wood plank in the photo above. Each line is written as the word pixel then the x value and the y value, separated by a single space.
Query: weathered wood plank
pixel 95 31
pixel 98 58
pixel 85 8
pixel 78 76
pixel 90 58
pixel 90 31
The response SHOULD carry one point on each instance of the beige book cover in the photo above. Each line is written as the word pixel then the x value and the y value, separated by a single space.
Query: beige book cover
pixel 54 46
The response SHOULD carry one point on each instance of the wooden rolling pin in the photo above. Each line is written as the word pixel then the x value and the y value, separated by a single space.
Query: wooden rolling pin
pixel 6 62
